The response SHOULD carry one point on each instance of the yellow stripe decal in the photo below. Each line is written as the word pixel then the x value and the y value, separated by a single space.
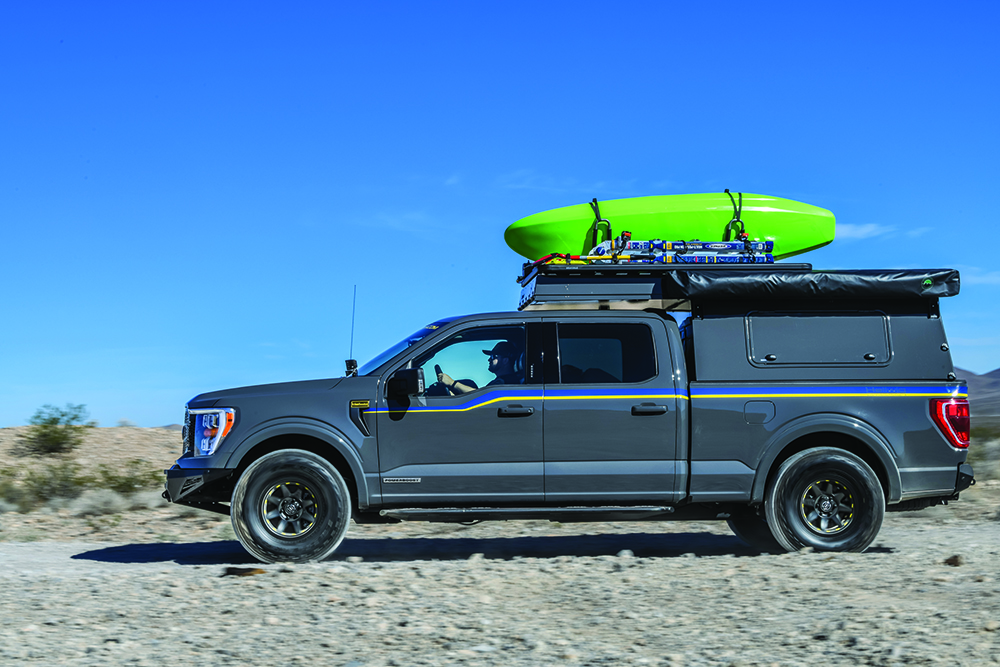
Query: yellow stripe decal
pixel 563 395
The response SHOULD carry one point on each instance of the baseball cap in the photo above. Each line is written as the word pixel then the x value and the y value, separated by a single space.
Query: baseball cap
pixel 503 349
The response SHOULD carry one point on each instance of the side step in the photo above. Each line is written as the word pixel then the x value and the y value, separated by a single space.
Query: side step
pixel 561 514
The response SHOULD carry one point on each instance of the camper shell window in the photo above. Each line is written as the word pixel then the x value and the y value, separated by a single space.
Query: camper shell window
pixel 818 339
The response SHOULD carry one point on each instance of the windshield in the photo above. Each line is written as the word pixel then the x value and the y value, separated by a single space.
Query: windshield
pixel 412 339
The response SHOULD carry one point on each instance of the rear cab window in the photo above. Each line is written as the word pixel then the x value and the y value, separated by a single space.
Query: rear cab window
pixel 605 353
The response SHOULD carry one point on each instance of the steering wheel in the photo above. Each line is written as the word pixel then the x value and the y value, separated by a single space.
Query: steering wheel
pixel 441 389
pixel 437 388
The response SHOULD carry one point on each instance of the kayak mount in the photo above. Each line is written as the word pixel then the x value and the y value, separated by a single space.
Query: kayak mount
pixel 597 222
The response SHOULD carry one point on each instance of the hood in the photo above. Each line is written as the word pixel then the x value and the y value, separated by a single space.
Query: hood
pixel 280 388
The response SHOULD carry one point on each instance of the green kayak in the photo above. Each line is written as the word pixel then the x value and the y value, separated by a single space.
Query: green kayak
pixel 794 227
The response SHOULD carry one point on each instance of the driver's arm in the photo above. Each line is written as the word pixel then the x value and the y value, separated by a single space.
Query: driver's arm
pixel 456 387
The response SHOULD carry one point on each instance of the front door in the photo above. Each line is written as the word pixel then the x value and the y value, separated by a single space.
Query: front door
pixel 610 414
pixel 474 437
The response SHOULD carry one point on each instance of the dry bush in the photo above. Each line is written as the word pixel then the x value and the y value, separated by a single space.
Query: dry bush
pixel 55 431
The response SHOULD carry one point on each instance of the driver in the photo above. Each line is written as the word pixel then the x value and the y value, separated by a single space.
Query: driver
pixel 502 358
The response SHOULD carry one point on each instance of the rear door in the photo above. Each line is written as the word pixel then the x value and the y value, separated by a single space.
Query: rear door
pixel 610 412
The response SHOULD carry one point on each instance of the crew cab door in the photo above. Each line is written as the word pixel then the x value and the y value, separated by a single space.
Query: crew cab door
pixel 610 411
pixel 480 447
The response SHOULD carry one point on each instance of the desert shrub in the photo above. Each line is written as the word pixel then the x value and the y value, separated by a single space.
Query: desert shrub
pixel 55 430
pixel 60 480
pixel 147 500
pixel 98 502
pixel 984 456
pixel 985 428
pixel 129 477
pixel 984 450
pixel 61 485
pixel 12 494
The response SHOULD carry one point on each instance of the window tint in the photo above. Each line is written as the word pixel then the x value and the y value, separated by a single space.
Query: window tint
pixel 605 353
pixel 474 359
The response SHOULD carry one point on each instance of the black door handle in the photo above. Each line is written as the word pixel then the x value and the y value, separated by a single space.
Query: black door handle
pixel 514 411
pixel 648 409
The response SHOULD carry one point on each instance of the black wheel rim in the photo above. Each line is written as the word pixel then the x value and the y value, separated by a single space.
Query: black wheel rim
pixel 827 506
pixel 289 509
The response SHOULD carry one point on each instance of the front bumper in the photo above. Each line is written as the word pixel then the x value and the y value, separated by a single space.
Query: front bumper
pixel 191 483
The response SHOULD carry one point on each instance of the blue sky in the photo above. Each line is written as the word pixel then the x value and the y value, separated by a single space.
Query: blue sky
pixel 190 191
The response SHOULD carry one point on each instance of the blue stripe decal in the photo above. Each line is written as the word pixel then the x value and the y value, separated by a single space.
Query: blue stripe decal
pixel 606 393
pixel 491 397
pixel 612 392
pixel 831 392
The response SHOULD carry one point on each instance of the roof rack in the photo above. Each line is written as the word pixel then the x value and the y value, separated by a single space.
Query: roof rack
pixel 672 287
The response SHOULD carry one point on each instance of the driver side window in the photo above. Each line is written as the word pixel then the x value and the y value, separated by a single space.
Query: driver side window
pixel 474 359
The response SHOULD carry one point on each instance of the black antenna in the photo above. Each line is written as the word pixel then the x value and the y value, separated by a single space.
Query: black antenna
pixel 354 308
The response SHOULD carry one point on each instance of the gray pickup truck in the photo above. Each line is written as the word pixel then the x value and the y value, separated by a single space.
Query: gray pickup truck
pixel 798 405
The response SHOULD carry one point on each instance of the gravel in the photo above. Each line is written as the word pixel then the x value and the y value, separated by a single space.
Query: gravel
pixel 146 583
pixel 517 593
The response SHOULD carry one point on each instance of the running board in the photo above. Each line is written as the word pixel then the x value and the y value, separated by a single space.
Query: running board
pixel 561 514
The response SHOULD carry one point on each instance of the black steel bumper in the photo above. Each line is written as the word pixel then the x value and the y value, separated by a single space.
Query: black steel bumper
pixel 183 482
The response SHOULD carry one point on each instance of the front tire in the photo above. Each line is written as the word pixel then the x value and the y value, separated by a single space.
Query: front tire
pixel 291 506
pixel 827 499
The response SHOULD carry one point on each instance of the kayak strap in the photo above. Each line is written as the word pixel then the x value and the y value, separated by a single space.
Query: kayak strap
pixel 597 222
pixel 736 223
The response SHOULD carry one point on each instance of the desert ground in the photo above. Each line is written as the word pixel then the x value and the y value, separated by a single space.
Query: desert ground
pixel 105 579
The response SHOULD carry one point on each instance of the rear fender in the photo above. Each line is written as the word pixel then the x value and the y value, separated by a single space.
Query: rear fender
pixel 314 429
pixel 827 423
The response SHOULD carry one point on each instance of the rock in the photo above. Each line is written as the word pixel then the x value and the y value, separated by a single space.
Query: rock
pixel 954 561
pixel 625 553
pixel 242 571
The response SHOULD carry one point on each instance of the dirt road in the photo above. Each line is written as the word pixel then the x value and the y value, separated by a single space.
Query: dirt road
pixel 528 593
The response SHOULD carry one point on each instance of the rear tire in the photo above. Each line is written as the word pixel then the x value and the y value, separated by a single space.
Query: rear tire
pixel 752 528
pixel 827 499
pixel 291 506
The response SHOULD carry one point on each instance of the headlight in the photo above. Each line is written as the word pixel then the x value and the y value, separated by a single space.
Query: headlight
pixel 210 427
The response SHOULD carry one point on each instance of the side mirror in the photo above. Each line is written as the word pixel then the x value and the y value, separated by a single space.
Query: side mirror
pixel 352 368
pixel 407 382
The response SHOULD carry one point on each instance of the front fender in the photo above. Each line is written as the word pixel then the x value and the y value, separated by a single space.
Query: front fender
pixel 827 423
pixel 314 429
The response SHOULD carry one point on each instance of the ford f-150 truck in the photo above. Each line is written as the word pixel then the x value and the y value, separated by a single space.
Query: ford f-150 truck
pixel 798 405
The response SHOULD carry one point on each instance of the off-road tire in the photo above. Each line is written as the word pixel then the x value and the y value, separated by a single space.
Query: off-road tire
pixel 827 499
pixel 752 528
pixel 291 506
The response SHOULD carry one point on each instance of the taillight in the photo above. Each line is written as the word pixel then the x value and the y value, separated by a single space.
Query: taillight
pixel 952 417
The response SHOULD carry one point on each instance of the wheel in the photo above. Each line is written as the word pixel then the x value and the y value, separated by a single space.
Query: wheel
pixel 827 499
pixel 752 528
pixel 291 506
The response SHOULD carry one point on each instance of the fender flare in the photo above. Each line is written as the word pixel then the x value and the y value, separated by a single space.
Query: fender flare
pixel 313 429
pixel 828 423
